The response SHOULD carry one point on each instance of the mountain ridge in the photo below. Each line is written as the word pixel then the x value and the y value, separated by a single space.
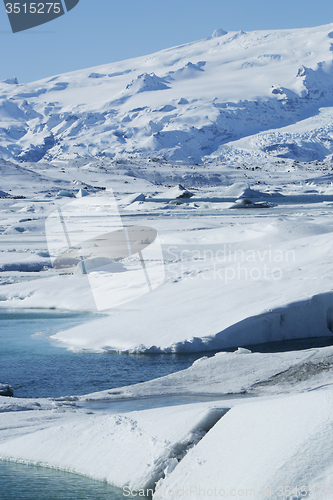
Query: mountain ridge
pixel 259 94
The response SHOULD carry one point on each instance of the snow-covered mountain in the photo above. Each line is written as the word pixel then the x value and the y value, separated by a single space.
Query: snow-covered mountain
pixel 257 94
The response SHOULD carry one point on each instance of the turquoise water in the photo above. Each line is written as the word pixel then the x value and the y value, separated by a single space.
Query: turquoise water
pixel 38 367
pixel 26 482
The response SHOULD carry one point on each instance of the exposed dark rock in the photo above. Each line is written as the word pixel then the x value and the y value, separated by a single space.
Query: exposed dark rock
pixel 6 390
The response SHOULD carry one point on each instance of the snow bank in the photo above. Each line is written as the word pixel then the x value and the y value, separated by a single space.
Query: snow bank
pixel 257 444
pixel 262 449
pixel 77 294
pixel 130 449
pixel 228 287
pixel 157 331
pixel 237 372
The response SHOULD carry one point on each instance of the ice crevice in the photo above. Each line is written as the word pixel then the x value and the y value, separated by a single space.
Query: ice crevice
pixel 176 453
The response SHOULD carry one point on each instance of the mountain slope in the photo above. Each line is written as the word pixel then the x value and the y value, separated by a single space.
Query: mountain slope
pixel 262 93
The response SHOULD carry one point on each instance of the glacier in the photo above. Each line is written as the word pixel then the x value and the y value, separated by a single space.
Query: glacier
pixel 229 93
pixel 179 138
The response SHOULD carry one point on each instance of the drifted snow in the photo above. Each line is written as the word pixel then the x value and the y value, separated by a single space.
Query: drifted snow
pixel 217 302
pixel 239 372
pixel 263 448
pixel 247 114
pixel 240 442
pixel 130 449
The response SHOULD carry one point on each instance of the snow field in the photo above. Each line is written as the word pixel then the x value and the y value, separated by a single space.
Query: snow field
pixel 284 272
pixel 264 446
pixel 233 278
pixel 192 103
pixel 263 449
pixel 132 449
pixel 280 257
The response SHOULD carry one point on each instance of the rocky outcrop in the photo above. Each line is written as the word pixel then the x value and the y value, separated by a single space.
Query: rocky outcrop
pixel 6 390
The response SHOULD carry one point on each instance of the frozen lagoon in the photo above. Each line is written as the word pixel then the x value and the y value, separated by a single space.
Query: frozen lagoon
pixel 281 437
pixel 140 448
pixel 138 435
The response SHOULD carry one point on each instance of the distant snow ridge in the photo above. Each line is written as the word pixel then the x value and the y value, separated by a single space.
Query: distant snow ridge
pixel 219 32
pixel 205 100
pixel 11 81
pixel 146 83
pixel 188 71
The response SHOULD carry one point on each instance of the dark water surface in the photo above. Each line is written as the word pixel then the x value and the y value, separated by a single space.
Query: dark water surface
pixel 38 367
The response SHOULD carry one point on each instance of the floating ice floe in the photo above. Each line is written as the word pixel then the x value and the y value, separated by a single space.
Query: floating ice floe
pixel 243 190
pixel 66 194
pixel 246 203
pixel 132 198
pixel 175 192
pixel 81 193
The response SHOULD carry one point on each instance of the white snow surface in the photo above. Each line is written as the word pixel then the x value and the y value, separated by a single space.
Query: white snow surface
pixel 131 449
pixel 237 373
pixel 266 441
pixel 284 267
pixel 267 449
pixel 232 279
pixel 275 424
pixel 262 93
pixel 234 116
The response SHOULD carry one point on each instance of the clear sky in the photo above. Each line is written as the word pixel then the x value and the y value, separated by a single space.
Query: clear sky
pixel 102 31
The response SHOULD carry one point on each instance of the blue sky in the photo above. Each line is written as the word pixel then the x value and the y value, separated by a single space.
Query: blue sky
pixel 102 31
